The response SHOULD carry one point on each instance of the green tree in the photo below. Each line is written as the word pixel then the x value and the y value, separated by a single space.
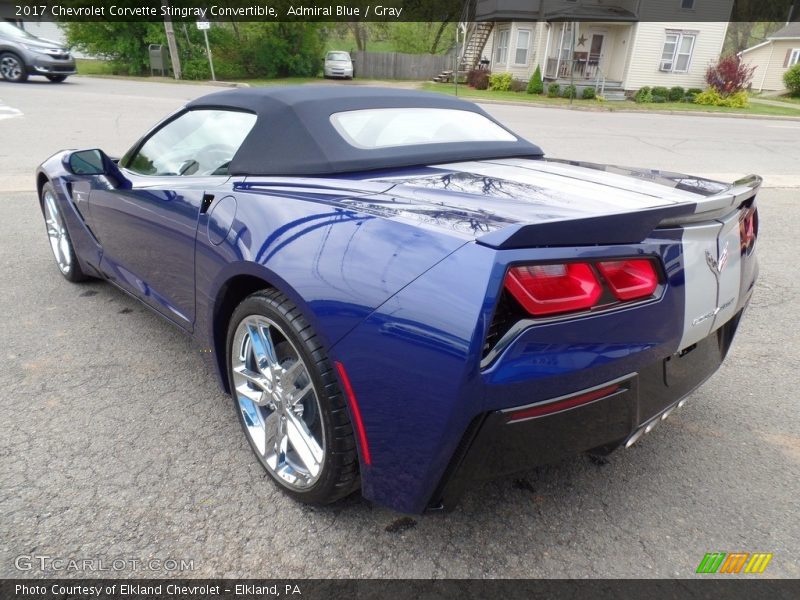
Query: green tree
pixel 743 34
pixel 360 33
pixel 124 44
pixel 432 31
pixel 240 50
pixel 278 49
pixel 792 80
pixel 422 38
pixel 536 85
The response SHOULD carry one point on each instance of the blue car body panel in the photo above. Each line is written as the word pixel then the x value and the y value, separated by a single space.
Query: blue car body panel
pixel 400 273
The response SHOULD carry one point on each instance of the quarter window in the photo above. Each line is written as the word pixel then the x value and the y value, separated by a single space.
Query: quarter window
pixel 677 54
pixel 501 47
pixel 523 42
pixel 197 143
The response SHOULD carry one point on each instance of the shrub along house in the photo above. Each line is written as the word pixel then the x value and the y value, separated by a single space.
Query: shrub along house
pixel 613 45
pixel 774 57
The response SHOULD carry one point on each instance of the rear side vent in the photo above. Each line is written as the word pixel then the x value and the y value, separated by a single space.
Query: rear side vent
pixel 507 313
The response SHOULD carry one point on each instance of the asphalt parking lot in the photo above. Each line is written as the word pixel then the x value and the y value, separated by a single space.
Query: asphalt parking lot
pixel 117 444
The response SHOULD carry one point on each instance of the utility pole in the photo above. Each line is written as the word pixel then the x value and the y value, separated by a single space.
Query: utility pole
pixel 572 63
pixel 458 56
pixel 173 46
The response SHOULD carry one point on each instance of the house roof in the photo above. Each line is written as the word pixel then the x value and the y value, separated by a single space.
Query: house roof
pixel 293 133
pixel 746 50
pixel 792 30
pixel 591 13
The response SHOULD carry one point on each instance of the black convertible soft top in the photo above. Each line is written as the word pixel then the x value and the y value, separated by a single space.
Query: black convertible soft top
pixel 293 134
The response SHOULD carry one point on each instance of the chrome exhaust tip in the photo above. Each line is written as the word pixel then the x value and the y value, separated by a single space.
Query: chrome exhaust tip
pixel 634 438
pixel 652 424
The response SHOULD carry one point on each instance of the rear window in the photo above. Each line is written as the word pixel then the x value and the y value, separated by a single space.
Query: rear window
pixel 388 127
pixel 338 56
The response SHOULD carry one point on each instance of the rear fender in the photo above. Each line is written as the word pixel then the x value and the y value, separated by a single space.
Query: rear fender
pixel 337 265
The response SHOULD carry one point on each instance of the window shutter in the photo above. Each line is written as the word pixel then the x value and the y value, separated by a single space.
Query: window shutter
pixel 788 57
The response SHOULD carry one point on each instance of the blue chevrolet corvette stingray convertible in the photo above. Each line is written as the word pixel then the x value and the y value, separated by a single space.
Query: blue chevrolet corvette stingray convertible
pixel 402 295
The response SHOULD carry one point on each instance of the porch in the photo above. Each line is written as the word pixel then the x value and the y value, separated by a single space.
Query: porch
pixel 587 52
pixel 610 90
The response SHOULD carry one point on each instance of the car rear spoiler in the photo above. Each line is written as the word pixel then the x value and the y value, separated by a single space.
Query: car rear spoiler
pixel 718 205
pixel 622 228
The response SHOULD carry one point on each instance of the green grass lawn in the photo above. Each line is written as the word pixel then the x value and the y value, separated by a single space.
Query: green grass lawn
pixel 98 68
pixel 787 99
pixel 472 94
pixel 87 66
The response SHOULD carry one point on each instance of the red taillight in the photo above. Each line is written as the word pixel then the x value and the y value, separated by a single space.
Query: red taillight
pixel 748 228
pixel 551 289
pixel 630 279
pixel 545 290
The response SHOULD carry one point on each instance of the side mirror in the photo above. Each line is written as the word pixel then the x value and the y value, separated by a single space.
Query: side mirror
pixel 88 162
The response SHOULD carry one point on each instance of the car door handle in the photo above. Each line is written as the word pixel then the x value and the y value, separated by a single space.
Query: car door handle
pixel 207 200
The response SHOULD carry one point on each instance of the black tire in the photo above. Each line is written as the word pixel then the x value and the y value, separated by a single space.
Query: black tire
pixel 339 475
pixel 57 78
pixel 12 68
pixel 71 268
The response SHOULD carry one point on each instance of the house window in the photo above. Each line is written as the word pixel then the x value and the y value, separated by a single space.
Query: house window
pixel 521 51
pixel 794 57
pixel 501 47
pixel 687 4
pixel 677 54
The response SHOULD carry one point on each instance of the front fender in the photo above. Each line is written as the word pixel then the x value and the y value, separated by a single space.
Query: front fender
pixel 87 250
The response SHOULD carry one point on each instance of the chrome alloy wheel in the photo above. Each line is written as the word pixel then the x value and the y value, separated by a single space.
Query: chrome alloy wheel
pixel 278 402
pixel 57 232
pixel 10 68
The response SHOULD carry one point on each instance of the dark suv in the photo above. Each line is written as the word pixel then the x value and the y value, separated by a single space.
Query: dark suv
pixel 23 54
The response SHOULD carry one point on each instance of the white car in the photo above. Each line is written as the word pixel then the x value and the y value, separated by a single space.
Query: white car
pixel 338 64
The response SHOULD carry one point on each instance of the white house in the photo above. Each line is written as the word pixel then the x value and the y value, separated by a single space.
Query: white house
pixel 773 58
pixel 613 44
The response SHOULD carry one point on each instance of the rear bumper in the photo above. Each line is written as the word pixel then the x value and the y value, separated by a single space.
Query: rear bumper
pixel 496 444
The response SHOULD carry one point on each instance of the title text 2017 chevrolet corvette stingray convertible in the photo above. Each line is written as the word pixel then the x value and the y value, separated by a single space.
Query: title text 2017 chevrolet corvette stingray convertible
pixel 402 295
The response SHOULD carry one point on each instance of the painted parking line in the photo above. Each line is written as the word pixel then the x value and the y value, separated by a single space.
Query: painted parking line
pixel 7 112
